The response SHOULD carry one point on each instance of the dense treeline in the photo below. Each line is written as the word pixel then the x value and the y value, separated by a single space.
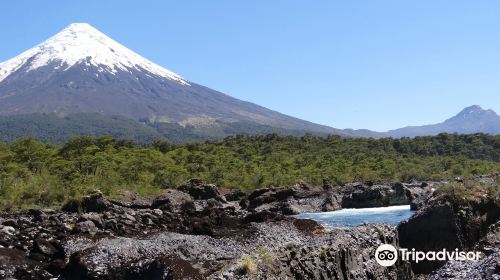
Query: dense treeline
pixel 55 129
pixel 51 128
pixel 32 172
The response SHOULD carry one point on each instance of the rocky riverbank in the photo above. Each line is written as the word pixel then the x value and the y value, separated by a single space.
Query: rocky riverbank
pixel 467 221
pixel 305 198
pixel 199 231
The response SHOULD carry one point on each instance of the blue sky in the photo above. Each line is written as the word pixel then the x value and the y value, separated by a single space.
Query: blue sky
pixel 348 64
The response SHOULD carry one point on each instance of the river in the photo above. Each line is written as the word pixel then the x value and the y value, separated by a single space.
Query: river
pixel 354 217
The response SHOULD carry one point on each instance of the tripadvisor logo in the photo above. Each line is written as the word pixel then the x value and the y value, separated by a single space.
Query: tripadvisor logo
pixel 387 255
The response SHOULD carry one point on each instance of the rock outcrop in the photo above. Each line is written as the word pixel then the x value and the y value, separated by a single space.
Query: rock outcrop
pixel 446 225
pixel 366 196
pixel 200 232
pixel 190 233
pixel 336 254
pixel 304 198
pixel 486 268
pixel 297 199
pixel 200 190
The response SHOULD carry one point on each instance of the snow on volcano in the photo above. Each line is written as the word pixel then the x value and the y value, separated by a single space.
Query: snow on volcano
pixel 82 43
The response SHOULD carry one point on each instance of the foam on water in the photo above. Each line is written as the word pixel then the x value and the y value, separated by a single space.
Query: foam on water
pixel 354 217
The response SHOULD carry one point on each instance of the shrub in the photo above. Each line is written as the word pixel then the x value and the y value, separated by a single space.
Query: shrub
pixel 265 255
pixel 467 191
pixel 248 266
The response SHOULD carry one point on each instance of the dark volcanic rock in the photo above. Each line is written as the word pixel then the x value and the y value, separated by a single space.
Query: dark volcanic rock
pixel 433 229
pixel 10 260
pixel 167 268
pixel 304 198
pixel 443 225
pixel 260 217
pixel 338 254
pixel 15 265
pixel 173 267
pixel 72 206
pixel 293 252
pixel 44 247
pixel 366 196
pixel 331 203
pixel 236 195
pixel 173 236
pixel 201 190
pixel 133 200
pixel 38 215
pixel 87 227
pixel 95 203
pixel 172 200
pixel 171 255
pixel 487 268
pixel 91 203
pixel 288 201
pixel 490 243
pixel 94 218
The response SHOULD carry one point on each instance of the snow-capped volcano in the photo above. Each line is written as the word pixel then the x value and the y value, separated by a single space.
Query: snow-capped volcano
pixel 81 70
pixel 81 43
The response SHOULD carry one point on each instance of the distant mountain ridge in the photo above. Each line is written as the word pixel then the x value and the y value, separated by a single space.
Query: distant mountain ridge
pixel 472 119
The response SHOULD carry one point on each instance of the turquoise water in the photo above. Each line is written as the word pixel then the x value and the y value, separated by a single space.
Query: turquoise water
pixel 354 217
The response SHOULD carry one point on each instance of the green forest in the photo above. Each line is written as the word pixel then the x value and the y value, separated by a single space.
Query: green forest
pixel 34 173
pixel 55 129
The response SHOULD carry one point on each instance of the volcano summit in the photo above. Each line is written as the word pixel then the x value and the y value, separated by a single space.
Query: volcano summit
pixel 81 70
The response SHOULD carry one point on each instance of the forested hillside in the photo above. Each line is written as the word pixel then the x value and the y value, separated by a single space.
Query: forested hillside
pixel 35 173
pixel 54 129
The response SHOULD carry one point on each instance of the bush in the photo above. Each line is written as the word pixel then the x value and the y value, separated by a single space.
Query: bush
pixel 468 191
pixel 265 255
pixel 248 266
